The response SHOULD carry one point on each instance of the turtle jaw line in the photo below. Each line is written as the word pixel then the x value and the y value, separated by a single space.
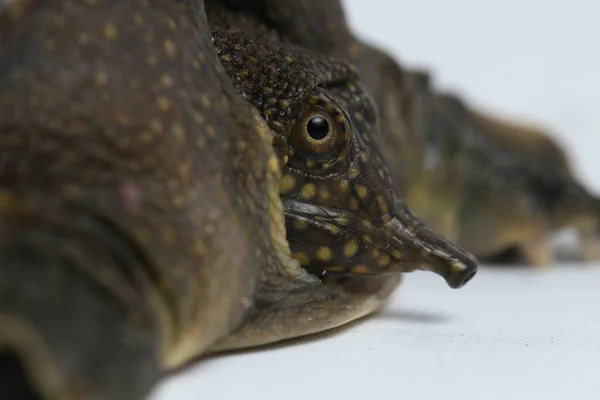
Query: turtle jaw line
pixel 354 226
pixel 400 235
pixel 425 249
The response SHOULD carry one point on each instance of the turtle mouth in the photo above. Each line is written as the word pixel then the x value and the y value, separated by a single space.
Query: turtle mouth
pixel 408 242
pixel 361 229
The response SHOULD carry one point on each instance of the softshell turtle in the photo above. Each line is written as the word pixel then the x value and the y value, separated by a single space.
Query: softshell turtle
pixel 149 196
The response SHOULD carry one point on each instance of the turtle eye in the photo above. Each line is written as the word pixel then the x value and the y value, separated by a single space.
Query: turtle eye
pixel 315 133
pixel 318 128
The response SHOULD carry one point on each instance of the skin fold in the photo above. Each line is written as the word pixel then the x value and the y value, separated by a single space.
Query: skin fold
pixel 180 178
pixel 171 188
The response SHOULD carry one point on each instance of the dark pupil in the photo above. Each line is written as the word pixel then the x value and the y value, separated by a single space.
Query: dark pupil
pixel 317 128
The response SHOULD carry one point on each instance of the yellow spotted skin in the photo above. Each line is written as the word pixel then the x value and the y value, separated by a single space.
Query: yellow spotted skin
pixel 493 186
pixel 490 185
pixel 109 198
pixel 334 189
pixel 153 207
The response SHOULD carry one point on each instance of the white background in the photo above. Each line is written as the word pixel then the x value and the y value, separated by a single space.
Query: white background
pixel 535 59
pixel 511 333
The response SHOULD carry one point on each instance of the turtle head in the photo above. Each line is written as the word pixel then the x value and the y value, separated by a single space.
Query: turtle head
pixel 343 211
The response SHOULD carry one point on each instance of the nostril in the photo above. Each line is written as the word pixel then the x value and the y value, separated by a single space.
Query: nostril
pixel 468 271
pixel 468 277
pixel 459 280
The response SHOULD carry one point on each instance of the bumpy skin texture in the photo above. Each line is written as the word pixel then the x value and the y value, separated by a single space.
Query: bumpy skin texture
pixel 345 222
pixel 141 171
pixel 495 187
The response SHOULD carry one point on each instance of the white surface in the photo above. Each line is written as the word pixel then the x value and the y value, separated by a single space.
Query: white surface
pixel 510 334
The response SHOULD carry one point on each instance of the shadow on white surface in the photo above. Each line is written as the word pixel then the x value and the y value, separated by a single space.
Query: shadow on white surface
pixel 511 333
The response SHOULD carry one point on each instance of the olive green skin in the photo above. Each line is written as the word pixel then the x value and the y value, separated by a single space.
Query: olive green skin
pixel 146 215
